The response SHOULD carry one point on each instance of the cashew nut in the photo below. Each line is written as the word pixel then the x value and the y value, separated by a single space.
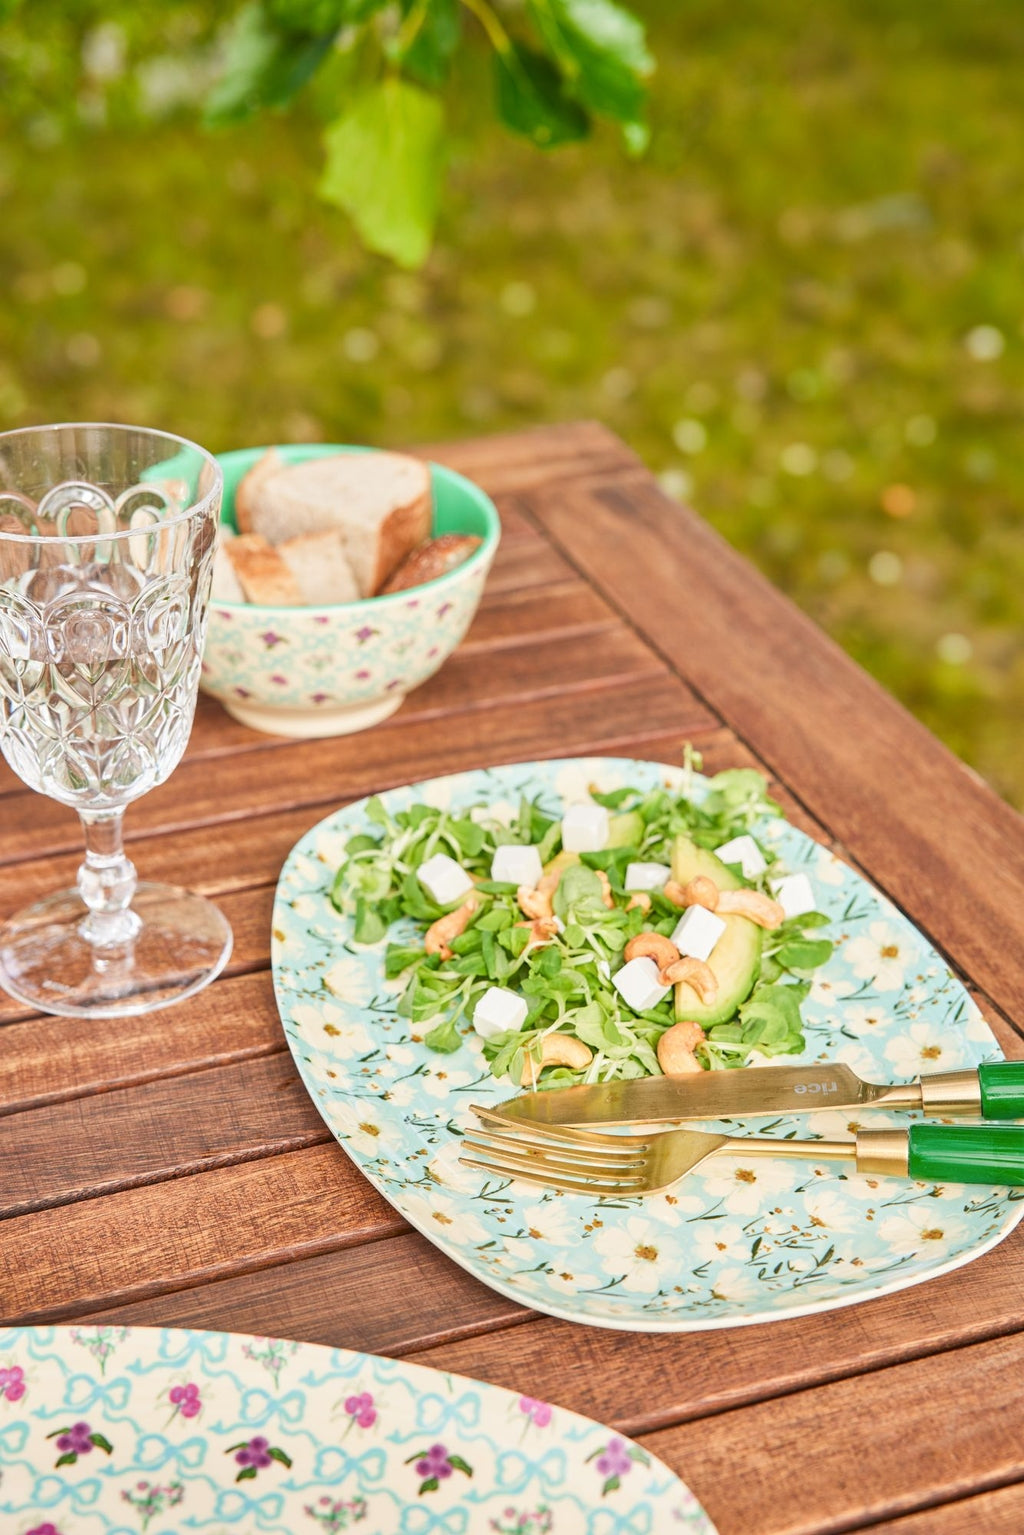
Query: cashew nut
pixel 753 905
pixel 652 946
pixel 640 899
pixel 606 889
pixel 440 933
pixel 542 929
pixel 557 1050
pixel 534 903
pixel 674 892
pixel 702 891
pixel 675 1049
pixel 696 974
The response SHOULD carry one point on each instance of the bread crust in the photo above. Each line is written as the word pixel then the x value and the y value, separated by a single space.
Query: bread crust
pixel 265 578
pixel 431 559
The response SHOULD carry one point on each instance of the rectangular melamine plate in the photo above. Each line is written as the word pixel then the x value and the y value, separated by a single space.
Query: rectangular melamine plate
pixel 736 1242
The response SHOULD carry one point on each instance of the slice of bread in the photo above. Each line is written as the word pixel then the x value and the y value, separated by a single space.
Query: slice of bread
pixel 263 469
pixel 263 574
pixel 432 559
pixel 226 585
pixel 380 503
pixel 320 566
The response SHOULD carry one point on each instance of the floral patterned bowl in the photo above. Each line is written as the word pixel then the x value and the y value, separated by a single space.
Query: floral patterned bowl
pixel 324 671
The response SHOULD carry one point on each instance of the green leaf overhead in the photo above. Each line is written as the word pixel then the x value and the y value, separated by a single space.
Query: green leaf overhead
pixel 532 100
pixel 601 49
pixel 315 17
pixel 384 164
pixel 427 39
pixel 266 66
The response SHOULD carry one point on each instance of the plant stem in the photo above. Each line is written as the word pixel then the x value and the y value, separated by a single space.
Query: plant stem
pixel 485 15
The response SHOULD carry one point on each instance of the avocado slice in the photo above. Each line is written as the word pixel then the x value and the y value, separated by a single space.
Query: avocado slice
pixel 736 957
pixel 626 829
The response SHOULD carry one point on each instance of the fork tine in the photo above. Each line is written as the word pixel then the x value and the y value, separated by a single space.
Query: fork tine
pixel 527 1129
pixel 535 1172
pixel 560 1154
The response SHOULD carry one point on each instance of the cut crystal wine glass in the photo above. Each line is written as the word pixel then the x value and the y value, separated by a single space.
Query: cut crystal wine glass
pixel 106 555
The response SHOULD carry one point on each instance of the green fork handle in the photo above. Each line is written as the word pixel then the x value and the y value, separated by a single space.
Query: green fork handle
pixel 966 1153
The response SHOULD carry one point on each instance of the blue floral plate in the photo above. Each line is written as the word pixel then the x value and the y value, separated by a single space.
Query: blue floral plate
pixel 737 1241
pixel 116 1430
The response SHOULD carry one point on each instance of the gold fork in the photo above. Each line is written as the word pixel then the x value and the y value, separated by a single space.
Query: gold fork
pixel 610 1166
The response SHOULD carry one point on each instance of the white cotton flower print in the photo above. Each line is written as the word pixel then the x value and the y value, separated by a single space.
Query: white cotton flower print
pixel 747 1187
pixel 974 1026
pixel 829 1210
pixel 830 870
pixel 446 1169
pixel 573 781
pixel 362 1128
pixel 828 990
pixel 881 955
pixel 348 980
pixel 672 1207
pixel 401 1055
pixel 721 1240
pixel 402 1093
pixel 439 792
pixel 859 1059
pixel 734 1285
pixel 441 1082
pixel 925 1047
pixel 501 811
pixel 866 1019
pixel 926 1229
pixel 345 1039
pixel 330 845
pixel 543 1226
pixel 634 1251
pixel 567 1281
pixel 450 1219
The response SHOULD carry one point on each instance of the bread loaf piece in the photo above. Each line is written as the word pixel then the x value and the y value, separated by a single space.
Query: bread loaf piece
pixel 264 575
pixel 245 496
pixel 432 559
pixel 320 566
pixel 226 586
pixel 380 503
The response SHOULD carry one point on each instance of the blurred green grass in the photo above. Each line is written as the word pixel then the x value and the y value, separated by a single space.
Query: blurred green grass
pixel 802 309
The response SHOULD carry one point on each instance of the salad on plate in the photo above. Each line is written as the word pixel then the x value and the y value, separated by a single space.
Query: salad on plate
pixel 631 933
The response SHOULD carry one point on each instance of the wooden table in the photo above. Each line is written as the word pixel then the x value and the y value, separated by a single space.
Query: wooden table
pixel 172 1170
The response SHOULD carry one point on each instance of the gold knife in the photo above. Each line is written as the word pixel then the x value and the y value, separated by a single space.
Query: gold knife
pixel 993 1090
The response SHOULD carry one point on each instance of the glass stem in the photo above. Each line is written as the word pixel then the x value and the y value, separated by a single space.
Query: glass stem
pixel 106 881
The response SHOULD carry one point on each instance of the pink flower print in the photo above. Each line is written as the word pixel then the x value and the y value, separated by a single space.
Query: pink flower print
pixel 445 607
pixel 282 682
pixel 365 633
pixel 361 1409
pixel 363 674
pixel 12 1383
pixel 319 698
pixel 537 1412
pixel 435 1465
pixel 44 1529
pixel 255 1455
pixel 614 1461
pixel 270 639
pixel 186 1400
pixel 77 1440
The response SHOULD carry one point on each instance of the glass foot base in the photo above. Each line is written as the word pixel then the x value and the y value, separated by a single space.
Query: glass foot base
pixel 182 944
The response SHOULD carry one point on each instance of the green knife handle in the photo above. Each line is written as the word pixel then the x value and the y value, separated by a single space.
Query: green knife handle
pixel 1002 1089
pixel 967 1153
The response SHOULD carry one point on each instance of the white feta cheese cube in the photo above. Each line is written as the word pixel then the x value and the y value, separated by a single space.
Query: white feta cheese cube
pixel 795 894
pixel 647 876
pixel 744 851
pixel 517 865
pixel 444 880
pixel 638 985
pixel 697 932
pixel 498 1011
pixel 585 828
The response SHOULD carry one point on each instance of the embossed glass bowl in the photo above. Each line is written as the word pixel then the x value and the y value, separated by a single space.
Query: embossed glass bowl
pixel 331 670
pixel 106 554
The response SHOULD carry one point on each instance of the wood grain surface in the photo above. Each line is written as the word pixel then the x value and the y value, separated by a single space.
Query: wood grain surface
pixel 171 1170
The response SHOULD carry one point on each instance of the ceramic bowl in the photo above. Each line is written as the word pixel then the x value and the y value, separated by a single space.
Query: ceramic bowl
pixel 324 671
